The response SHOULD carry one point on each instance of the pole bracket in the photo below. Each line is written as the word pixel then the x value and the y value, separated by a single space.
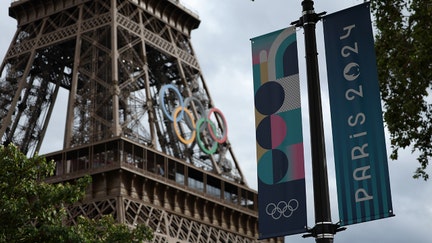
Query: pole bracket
pixel 308 18
pixel 324 230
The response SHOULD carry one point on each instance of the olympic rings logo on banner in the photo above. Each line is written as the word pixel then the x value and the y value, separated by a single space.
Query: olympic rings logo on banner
pixel 282 209
pixel 182 112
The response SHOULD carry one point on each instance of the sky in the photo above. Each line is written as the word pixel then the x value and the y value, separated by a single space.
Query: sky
pixel 222 45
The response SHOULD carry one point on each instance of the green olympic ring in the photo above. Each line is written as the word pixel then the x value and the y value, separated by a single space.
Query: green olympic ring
pixel 200 142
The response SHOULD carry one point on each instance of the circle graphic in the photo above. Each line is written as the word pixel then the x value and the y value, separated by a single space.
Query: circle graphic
pixel 271 132
pixel 273 167
pixel 351 71
pixel 269 98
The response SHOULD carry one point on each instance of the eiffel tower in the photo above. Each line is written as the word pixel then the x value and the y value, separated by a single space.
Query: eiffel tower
pixel 139 116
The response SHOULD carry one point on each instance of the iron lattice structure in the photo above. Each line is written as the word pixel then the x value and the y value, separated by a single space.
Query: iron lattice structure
pixel 127 65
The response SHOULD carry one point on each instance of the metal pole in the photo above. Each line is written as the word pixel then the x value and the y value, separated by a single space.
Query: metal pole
pixel 324 230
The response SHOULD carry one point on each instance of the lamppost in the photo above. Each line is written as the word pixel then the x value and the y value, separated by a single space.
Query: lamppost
pixel 324 230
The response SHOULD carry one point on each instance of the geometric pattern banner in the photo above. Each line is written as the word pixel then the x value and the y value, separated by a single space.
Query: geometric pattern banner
pixel 279 138
pixel 362 175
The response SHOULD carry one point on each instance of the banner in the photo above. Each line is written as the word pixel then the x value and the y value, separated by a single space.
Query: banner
pixel 281 178
pixel 358 134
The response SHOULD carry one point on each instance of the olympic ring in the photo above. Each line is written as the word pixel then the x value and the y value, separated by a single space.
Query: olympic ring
pixel 282 209
pixel 161 98
pixel 200 142
pixel 175 123
pixel 199 126
pixel 199 107
pixel 224 135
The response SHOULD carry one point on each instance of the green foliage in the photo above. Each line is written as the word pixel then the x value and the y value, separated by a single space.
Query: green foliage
pixel 404 52
pixel 32 210
pixel 107 230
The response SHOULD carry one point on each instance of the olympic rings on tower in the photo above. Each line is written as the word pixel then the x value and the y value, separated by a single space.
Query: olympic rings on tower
pixel 197 127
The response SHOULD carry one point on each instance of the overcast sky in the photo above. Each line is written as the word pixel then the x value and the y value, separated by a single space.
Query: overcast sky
pixel 222 44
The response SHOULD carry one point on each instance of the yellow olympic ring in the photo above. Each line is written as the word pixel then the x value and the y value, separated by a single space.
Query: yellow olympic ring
pixel 176 129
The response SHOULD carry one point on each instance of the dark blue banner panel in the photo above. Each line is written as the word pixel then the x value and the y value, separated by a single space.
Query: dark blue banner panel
pixel 279 138
pixel 358 134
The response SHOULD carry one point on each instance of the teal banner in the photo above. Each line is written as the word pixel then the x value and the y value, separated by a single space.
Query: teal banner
pixel 358 134
pixel 279 138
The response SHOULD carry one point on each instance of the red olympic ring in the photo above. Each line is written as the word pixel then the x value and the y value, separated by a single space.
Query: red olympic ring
pixel 225 132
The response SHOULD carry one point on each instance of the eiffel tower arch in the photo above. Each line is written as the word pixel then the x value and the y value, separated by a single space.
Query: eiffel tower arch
pixel 139 117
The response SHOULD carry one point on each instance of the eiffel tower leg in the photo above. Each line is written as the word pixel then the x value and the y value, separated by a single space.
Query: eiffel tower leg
pixel 29 89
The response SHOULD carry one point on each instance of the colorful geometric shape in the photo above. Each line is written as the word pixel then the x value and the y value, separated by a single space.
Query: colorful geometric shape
pixel 269 98
pixel 273 167
pixel 271 132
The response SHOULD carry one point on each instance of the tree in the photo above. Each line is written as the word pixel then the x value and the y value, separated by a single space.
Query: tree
pixel 32 210
pixel 404 53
